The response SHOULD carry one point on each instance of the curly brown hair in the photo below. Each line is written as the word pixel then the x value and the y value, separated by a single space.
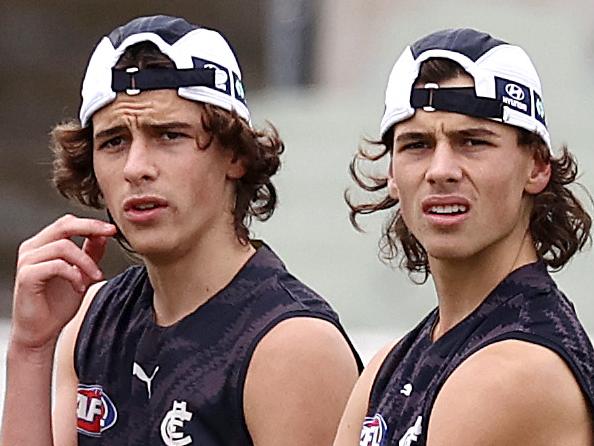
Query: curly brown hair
pixel 259 150
pixel 559 224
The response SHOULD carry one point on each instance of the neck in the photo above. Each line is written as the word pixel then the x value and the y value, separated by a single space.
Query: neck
pixel 183 284
pixel 463 284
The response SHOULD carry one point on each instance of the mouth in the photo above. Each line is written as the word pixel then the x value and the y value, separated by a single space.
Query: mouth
pixel 444 211
pixel 143 209
pixel 449 209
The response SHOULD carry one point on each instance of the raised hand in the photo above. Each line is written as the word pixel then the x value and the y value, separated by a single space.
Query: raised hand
pixel 52 276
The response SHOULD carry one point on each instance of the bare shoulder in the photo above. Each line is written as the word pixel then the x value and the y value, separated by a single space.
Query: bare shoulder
pixel 67 340
pixel 298 382
pixel 64 420
pixel 352 419
pixel 511 392
pixel 70 332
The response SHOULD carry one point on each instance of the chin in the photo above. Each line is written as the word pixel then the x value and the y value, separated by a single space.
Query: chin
pixel 453 251
pixel 149 247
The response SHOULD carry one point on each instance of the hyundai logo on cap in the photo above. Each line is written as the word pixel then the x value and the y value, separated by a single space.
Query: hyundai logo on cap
pixel 504 79
pixel 515 92
pixel 514 95
pixel 196 52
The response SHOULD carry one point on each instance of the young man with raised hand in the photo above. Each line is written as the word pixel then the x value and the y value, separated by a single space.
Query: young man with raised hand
pixel 210 341
pixel 479 203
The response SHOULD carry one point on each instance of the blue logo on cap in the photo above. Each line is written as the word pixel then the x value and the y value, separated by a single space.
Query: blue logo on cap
pixel 239 89
pixel 514 95
pixel 539 109
pixel 222 79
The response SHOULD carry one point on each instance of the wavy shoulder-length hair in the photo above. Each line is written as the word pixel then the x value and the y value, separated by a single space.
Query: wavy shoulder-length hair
pixel 559 224
pixel 259 150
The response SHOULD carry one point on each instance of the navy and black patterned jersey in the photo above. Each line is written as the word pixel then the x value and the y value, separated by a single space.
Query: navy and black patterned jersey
pixel 142 384
pixel 526 306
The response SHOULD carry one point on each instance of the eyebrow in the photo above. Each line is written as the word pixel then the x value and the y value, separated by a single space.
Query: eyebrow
pixel 168 125
pixel 111 131
pixel 473 132
pixel 411 136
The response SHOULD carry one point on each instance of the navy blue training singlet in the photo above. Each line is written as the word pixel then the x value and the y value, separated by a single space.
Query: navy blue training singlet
pixel 526 306
pixel 141 384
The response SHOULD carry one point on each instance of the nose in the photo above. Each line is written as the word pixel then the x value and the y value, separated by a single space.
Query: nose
pixel 444 165
pixel 140 165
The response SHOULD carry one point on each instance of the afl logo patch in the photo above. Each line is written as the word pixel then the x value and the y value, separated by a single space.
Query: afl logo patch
pixel 374 431
pixel 95 411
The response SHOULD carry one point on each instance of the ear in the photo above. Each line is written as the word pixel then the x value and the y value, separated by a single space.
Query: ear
pixel 392 188
pixel 539 177
pixel 236 168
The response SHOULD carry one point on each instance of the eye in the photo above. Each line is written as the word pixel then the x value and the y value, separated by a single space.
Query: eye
pixel 171 136
pixel 112 143
pixel 415 145
pixel 475 142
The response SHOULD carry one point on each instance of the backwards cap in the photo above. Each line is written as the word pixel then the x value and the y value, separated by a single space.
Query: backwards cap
pixel 206 67
pixel 506 85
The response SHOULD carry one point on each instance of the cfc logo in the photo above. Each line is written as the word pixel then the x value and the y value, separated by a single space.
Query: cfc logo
pixel 95 411
pixel 413 433
pixel 374 431
pixel 173 424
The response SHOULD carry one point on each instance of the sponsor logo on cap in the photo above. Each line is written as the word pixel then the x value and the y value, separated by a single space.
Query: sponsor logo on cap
pixel 515 91
pixel 239 89
pixel 222 80
pixel 95 411
pixel 374 431
pixel 539 109
pixel 515 95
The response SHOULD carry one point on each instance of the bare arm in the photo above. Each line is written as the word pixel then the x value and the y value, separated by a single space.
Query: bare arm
pixel 349 431
pixel 53 275
pixel 511 392
pixel 297 384
pixel 65 398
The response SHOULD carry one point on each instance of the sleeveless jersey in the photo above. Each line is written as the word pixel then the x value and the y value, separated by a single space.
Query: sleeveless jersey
pixel 527 306
pixel 142 384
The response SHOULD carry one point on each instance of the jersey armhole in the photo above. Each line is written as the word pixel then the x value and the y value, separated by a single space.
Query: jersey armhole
pixel 242 373
pixel 533 339
pixel 95 297
pixel 380 379
pixel 556 348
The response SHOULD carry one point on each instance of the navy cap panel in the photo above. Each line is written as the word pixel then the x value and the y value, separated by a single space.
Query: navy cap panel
pixel 473 44
pixel 170 29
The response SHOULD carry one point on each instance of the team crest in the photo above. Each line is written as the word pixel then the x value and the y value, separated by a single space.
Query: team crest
pixel 374 431
pixel 95 411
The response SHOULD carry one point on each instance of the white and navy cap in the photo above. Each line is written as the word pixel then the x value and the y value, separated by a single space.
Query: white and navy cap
pixel 206 67
pixel 506 85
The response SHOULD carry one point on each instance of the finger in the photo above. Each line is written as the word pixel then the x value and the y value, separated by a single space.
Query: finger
pixel 41 273
pixel 94 247
pixel 65 250
pixel 70 226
